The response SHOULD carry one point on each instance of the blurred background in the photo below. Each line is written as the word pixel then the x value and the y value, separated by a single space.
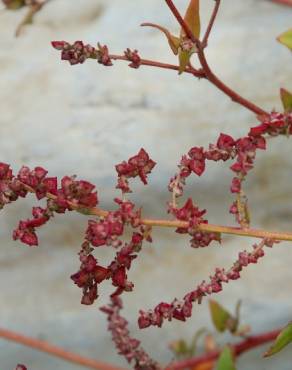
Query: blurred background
pixel 85 119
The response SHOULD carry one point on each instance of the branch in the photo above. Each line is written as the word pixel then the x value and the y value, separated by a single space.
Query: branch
pixel 283 2
pixel 181 21
pixel 211 23
pixel 55 351
pixel 248 232
pixel 247 344
pixel 153 63
pixel 211 77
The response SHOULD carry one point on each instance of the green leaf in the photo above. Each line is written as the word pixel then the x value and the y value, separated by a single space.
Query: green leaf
pixel 192 18
pixel 14 4
pixel 184 59
pixel 286 38
pixel 282 340
pixel 179 348
pixel 226 360
pixel 173 41
pixel 286 98
pixel 220 316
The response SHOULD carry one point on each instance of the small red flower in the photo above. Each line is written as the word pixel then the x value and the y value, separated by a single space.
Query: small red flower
pixel 139 165
pixel 225 142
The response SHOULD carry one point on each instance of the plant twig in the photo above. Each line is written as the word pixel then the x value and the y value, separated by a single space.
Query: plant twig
pixel 152 63
pixel 211 77
pixel 247 344
pixel 283 2
pixel 181 21
pixel 249 232
pixel 211 23
pixel 52 350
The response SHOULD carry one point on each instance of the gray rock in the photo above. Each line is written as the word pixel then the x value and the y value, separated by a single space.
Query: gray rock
pixel 86 119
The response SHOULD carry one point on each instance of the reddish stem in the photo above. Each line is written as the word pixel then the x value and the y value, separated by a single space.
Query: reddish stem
pixel 211 23
pixel 208 72
pixel 239 348
pixel 55 351
pixel 152 63
pixel 283 2
pixel 227 90
pixel 181 21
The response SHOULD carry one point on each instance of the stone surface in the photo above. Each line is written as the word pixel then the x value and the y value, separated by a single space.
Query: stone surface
pixel 86 119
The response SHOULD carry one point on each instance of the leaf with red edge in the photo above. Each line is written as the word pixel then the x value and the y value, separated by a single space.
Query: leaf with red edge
pixel 286 38
pixel 192 18
pixel 172 40
pixel 286 98
pixel 282 340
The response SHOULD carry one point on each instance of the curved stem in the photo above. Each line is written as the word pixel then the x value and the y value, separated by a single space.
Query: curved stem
pixel 46 347
pixel 247 344
pixel 210 76
pixel 234 96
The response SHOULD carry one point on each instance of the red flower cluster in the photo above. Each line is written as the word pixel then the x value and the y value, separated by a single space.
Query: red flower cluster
pixel 126 345
pixel 72 193
pixel 76 53
pixel 242 150
pixel 25 231
pixel 102 55
pixel 89 275
pixel 13 187
pixel 106 231
pixel 139 165
pixel 274 124
pixel 181 310
pixel 133 57
pixel 191 213
pixel 20 367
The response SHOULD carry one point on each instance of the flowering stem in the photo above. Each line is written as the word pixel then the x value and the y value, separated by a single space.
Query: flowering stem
pixel 256 233
pixel 247 344
pixel 210 76
pixel 55 351
pixel 152 63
